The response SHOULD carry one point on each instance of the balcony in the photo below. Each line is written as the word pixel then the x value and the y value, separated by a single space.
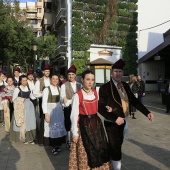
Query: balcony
pixel 61 17
pixel 31 9
pixel 39 4
pixel 39 15
pixel 47 18
pixel 31 16
pixel 60 51
pixel 48 0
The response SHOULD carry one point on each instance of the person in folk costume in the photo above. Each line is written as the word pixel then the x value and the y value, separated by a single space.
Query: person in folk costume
pixel 5 75
pixel 2 86
pixel 23 92
pixel 7 102
pixel 67 91
pixel 31 85
pixel 17 72
pixel 115 100
pixel 89 148
pixel 54 129
pixel 37 92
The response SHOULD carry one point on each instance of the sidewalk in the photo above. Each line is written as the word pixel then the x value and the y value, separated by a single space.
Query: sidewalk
pixel 149 146
pixel 147 149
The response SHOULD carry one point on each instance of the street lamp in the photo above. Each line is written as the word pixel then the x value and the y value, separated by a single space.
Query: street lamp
pixel 34 47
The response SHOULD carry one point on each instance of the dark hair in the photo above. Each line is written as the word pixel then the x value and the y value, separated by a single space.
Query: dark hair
pixel 62 76
pixel 54 75
pixel 9 77
pixel 86 72
pixel 21 77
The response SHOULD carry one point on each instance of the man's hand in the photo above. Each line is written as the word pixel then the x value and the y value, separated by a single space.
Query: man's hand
pixel 75 139
pixel 143 94
pixel 109 109
pixel 47 118
pixel 65 100
pixel 151 117
pixel 120 121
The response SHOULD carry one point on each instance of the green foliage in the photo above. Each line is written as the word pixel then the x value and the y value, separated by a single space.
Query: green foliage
pixel 133 1
pixel 80 60
pixel 16 38
pixel 77 5
pixel 132 7
pixel 121 31
pixel 123 5
pixel 46 45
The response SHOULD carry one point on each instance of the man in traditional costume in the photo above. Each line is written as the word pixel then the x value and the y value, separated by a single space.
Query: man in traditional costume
pixel 67 91
pixel 16 76
pixel 31 85
pixel 115 100
pixel 37 92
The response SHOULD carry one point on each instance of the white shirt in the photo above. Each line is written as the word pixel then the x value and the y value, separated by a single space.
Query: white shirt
pixel 115 83
pixel 54 91
pixel 63 93
pixel 36 91
pixel 17 79
pixel 75 111
pixel 3 83
pixel 16 91
pixel 32 87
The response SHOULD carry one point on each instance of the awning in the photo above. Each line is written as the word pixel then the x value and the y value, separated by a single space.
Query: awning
pixel 101 61
pixel 163 50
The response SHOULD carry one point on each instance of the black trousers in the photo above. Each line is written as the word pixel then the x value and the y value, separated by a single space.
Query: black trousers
pixel 1 116
pixel 67 121
pixel 115 137
pixel 168 102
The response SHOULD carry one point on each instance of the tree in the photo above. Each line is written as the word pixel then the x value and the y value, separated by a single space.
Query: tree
pixel 46 45
pixel 16 37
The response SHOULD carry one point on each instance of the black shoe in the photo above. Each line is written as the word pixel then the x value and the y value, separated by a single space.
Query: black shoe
pixel 68 145
pixel 58 149
pixel 133 117
pixel 167 112
pixel 54 151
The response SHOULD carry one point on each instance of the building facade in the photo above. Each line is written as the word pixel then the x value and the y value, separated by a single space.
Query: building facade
pixel 153 38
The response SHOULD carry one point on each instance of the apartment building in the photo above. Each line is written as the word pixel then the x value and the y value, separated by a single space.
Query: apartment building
pixel 34 12
pixel 55 20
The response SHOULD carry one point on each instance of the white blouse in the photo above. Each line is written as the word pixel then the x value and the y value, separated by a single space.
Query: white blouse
pixel 36 91
pixel 16 91
pixel 32 87
pixel 54 91
pixel 75 110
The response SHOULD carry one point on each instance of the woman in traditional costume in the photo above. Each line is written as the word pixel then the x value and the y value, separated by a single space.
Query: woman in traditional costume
pixel 2 86
pixel 23 127
pixel 89 145
pixel 7 102
pixel 54 129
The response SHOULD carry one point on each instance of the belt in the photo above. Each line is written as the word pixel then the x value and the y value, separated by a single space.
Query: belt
pixel 88 116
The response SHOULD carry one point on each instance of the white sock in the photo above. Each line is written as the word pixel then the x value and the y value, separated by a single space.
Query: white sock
pixel 68 136
pixel 116 165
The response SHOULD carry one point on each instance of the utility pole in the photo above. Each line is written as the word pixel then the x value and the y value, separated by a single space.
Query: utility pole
pixel 69 32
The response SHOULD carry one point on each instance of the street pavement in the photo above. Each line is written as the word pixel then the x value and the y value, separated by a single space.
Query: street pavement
pixel 147 149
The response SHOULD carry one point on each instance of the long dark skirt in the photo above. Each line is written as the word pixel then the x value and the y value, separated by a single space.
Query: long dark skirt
pixel 94 140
